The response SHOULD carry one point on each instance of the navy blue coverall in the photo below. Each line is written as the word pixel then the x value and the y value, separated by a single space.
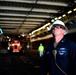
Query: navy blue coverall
pixel 65 59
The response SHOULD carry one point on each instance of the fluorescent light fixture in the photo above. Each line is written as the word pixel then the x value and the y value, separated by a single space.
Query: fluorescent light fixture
pixel 52 20
pixel 13 30
pixel 44 26
pixel 32 23
pixel 52 3
pixel 40 28
pixel 23 30
pixel 74 9
pixel 15 8
pixel 1 24
pixel 75 1
pixel 59 17
pixel 41 20
pixel 45 10
pixel 21 1
pixel 42 38
pixel 9 26
pixel 11 14
pixel 69 12
pixel 40 16
pixel 29 25
pixel 56 18
pixel 21 19
pixel 10 22
pixel 63 15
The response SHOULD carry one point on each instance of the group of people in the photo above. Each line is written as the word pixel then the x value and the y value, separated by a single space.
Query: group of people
pixel 60 55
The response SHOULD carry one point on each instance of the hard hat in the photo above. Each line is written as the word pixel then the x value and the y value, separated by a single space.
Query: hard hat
pixel 59 22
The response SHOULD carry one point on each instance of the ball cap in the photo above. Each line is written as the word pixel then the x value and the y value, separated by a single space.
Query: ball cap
pixel 60 23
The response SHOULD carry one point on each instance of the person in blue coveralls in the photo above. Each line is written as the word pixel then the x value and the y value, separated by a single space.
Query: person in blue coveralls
pixel 60 55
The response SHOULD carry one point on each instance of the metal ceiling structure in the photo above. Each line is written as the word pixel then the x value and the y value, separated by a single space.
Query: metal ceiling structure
pixel 24 16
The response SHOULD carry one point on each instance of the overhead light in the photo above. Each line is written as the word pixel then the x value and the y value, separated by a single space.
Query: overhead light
pixel 52 3
pixel 59 17
pixel 52 20
pixel 64 15
pixel 42 16
pixel 75 1
pixel 48 28
pixel 45 10
pixel 56 18
pixel 4 18
pixel 69 12
pixel 4 24
pixel 9 26
pixel 11 14
pixel 42 38
pixel 41 20
pixel 29 25
pixel 40 28
pixel 74 9
pixel 46 25
pixel 32 22
pixel 14 8
pixel 10 22
pixel 21 1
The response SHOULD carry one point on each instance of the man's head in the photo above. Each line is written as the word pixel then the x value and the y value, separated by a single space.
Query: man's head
pixel 59 24
pixel 40 44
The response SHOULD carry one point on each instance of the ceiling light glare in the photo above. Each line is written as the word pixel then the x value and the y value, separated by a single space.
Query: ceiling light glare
pixel 69 12
pixel 74 9
pixel 64 15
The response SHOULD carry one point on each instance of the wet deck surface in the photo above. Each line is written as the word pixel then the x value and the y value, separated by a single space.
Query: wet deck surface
pixel 20 64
